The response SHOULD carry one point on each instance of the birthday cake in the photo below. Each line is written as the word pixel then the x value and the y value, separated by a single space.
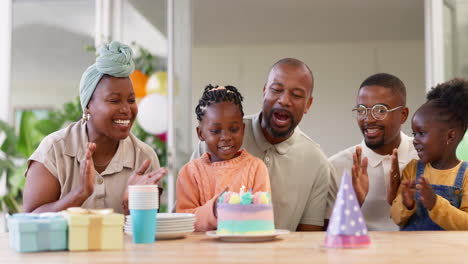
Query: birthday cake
pixel 245 213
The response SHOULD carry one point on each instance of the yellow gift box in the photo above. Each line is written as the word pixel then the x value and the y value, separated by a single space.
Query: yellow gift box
pixel 100 229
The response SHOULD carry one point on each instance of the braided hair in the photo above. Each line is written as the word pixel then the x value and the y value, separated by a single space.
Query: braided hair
pixel 217 94
pixel 451 100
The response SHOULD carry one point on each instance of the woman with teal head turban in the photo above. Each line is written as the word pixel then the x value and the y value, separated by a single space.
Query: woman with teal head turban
pixel 91 162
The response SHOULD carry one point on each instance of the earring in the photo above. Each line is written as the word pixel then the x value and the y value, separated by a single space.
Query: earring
pixel 86 116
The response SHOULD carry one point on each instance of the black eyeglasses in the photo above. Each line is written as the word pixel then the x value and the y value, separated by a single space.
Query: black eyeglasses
pixel 378 111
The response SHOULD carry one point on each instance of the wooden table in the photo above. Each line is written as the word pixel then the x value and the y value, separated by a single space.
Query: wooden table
pixel 299 247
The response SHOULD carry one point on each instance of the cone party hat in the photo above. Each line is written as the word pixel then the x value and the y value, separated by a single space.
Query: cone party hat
pixel 347 227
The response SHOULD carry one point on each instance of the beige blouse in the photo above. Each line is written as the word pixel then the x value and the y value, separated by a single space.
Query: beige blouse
pixel 61 153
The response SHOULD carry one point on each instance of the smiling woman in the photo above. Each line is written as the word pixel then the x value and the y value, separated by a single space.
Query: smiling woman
pixel 91 162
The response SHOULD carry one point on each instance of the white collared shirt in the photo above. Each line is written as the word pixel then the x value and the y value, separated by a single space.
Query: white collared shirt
pixel 375 209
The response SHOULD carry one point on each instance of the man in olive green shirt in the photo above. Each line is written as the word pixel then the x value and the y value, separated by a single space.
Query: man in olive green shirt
pixel 299 171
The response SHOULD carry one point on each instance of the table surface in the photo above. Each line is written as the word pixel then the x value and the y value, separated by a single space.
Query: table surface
pixel 298 247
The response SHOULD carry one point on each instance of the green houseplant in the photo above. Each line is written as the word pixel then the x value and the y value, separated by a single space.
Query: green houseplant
pixel 8 159
pixel 17 147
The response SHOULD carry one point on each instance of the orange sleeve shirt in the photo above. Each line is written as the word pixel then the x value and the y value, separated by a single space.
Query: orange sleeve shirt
pixel 200 182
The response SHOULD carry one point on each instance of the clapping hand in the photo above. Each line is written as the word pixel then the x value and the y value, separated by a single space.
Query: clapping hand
pixel 140 178
pixel 395 180
pixel 428 196
pixel 408 190
pixel 359 176
pixel 86 186
pixel 215 204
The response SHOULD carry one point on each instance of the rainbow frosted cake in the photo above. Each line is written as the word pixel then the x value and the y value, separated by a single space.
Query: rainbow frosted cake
pixel 245 214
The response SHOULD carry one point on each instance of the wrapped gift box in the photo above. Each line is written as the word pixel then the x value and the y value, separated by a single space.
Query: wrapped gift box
pixel 31 232
pixel 94 229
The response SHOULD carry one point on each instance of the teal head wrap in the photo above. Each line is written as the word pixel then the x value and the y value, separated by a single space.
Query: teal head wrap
pixel 114 59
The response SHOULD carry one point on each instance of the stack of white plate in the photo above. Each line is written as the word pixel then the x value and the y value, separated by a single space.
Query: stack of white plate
pixel 168 225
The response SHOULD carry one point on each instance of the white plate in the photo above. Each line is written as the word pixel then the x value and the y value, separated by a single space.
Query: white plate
pixel 159 225
pixel 174 221
pixel 174 229
pixel 171 216
pixel 168 235
pixel 164 216
pixel 162 228
pixel 158 230
pixel 129 231
pixel 248 238
pixel 176 224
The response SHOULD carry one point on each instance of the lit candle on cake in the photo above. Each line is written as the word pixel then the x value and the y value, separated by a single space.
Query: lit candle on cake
pixel 242 190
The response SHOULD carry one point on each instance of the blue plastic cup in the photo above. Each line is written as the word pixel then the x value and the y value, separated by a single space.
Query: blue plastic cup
pixel 143 225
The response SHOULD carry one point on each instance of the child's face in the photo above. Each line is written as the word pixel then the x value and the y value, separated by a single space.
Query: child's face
pixel 222 129
pixel 430 138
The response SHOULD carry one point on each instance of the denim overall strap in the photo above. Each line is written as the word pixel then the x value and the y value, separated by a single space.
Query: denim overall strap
pixel 460 175
pixel 421 219
pixel 419 170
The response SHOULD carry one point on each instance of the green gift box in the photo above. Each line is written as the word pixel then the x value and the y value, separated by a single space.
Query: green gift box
pixel 30 232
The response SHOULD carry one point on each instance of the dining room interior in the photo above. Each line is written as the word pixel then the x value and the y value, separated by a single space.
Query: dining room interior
pixel 180 47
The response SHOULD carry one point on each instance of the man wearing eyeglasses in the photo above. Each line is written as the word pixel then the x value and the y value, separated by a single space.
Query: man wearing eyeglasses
pixel 380 111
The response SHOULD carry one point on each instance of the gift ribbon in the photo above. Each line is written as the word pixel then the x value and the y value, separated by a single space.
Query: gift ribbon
pixel 95 224
pixel 94 232
pixel 43 236
pixel 43 228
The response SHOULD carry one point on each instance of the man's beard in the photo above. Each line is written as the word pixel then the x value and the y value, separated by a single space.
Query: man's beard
pixel 375 145
pixel 279 134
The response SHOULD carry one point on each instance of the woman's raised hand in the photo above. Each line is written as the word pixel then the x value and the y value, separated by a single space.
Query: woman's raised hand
pixel 140 178
pixel 87 177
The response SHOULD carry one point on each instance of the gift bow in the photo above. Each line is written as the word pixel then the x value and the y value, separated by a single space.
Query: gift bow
pixel 83 211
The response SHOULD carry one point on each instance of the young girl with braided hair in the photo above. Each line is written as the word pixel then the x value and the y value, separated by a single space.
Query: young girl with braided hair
pixel 225 166
pixel 433 194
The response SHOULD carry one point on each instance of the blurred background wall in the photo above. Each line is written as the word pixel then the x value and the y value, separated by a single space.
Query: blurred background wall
pixel 235 42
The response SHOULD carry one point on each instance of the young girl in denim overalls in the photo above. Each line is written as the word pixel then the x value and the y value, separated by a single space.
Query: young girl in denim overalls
pixel 433 194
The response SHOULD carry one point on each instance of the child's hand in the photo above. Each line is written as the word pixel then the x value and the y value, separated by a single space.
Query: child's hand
pixel 428 196
pixel 359 176
pixel 408 191
pixel 215 204
pixel 394 182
